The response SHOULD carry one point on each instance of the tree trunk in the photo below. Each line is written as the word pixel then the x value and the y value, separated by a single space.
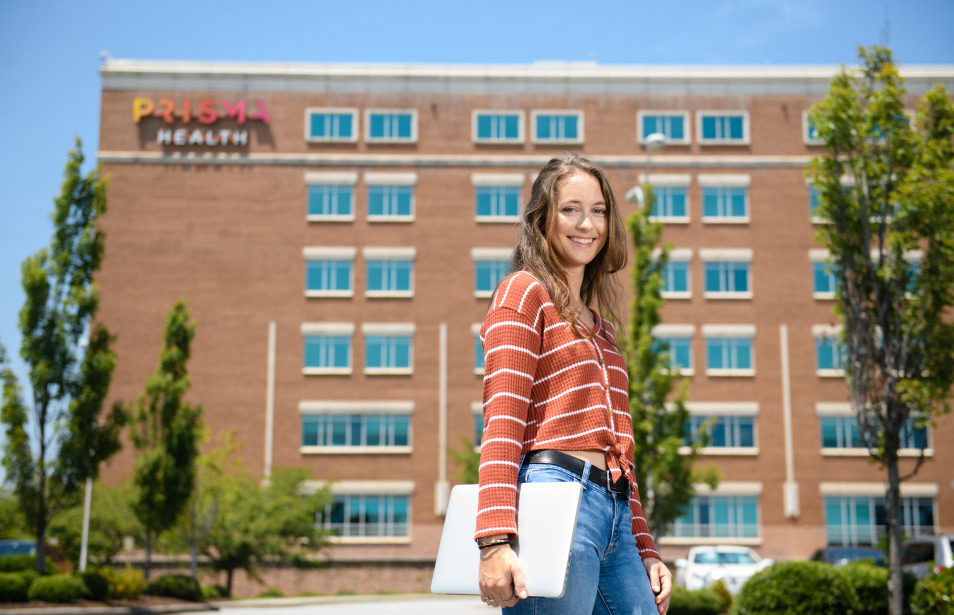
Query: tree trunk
pixel 228 582
pixel 892 510
pixel 146 566
pixel 41 542
pixel 194 544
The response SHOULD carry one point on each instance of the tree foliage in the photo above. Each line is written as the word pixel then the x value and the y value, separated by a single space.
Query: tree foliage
pixel 50 454
pixel 886 188
pixel 165 432
pixel 111 520
pixel 667 475
pixel 239 522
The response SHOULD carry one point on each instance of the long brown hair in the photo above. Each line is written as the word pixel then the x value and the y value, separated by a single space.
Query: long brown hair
pixel 534 252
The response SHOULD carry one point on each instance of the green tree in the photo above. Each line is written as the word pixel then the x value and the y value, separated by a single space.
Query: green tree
pixel 165 432
pixel 111 519
pixel 666 480
pixel 48 456
pixel 468 461
pixel 239 522
pixel 13 524
pixel 887 189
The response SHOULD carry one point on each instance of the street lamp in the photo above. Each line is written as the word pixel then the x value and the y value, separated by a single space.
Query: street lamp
pixel 654 142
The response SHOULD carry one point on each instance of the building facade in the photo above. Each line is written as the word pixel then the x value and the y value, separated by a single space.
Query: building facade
pixel 337 231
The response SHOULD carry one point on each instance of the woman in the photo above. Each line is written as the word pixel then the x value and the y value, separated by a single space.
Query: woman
pixel 556 404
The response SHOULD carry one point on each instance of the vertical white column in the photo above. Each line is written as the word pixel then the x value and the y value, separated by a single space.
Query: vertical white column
pixel 270 402
pixel 84 546
pixel 790 489
pixel 441 487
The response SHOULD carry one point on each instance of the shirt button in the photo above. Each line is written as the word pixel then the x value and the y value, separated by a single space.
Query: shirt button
pixel 606 386
pixel 602 361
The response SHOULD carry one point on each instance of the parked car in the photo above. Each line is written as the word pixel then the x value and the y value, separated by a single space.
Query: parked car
pixel 703 566
pixel 839 556
pixel 923 555
pixel 17 547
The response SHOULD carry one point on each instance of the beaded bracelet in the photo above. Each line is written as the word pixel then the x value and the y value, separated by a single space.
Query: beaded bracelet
pixel 492 543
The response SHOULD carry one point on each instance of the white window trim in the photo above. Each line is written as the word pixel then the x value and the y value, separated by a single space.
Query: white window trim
pixel 670 180
pixel 566 112
pixel 737 331
pixel 367 126
pixel 727 487
pixel 727 181
pixel 390 329
pixel 817 255
pixel 805 138
pixel 727 255
pixel 827 331
pixel 686 124
pixel 521 125
pixel 676 255
pixel 475 333
pixel 908 490
pixel 746 138
pixel 307 406
pixel 489 254
pixel 673 330
pixel 330 178
pixel 737 488
pixel 503 180
pixel 810 183
pixel 396 254
pixel 330 254
pixel 329 328
pixel 844 410
pixel 390 179
pixel 721 408
pixel 359 487
pixel 354 124
pixel 723 451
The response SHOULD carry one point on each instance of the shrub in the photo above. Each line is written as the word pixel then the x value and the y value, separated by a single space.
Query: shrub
pixel 272 592
pixel 124 584
pixel 24 561
pixel 97 585
pixel 934 594
pixel 722 591
pixel 795 588
pixel 29 576
pixel 57 588
pixel 13 587
pixel 870 585
pixel 699 602
pixel 211 592
pixel 179 586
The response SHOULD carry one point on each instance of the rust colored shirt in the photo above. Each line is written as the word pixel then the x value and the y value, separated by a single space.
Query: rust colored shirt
pixel 545 387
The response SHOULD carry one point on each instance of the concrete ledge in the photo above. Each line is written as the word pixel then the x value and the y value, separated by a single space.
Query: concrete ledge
pixel 113 610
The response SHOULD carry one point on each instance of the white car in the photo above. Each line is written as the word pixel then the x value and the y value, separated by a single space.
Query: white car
pixel 706 565
pixel 926 554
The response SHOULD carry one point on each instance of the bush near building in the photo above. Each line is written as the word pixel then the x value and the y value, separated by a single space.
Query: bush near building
pixel 97 585
pixel 870 585
pixel 57 588
pixel 179 586
pixel 124 584
pixel 698 602
pixel 934 594
pixel 795 588
pixel 13 587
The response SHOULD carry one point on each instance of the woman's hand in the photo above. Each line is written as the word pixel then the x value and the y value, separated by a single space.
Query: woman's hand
pixel 661 581
pixel 501 580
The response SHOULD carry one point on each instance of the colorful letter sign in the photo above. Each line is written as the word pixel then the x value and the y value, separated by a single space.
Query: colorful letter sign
pixel 206 112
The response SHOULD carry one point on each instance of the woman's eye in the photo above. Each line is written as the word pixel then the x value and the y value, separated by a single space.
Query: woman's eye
pixel 600 211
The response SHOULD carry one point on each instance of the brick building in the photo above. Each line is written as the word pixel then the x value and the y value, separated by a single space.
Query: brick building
pixel 337 229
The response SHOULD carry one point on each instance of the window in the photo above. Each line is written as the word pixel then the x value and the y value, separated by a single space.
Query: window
pixel 490 266
pixel 329 272
pixel 669 202
pixel 719 516
pixel 557 126
pixel 330 196
pixel 809 130
pixel 814 205
pixel 824 275
pixel 840 434
pixel 477 412
pixel 727 273
pixel 390 125
pixel 676 342
pixel 829 352
pixel 388 348
pixel 861 520
pixel 725 198
pixel 390 272
pixel 723 127
pixel 729 350
pixel 730 427
pixel 676 274
pixel 331 125
pixel 353 515
pixel 355 426
pixel 478 349
pixel 673 124
pixel 497 126
pixel 390 196
pixel 497 196
pixel 327 348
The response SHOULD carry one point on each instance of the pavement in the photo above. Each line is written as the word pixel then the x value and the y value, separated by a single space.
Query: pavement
pixel 390 604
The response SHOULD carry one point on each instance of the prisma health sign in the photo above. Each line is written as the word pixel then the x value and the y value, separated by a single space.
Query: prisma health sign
pixel 206 113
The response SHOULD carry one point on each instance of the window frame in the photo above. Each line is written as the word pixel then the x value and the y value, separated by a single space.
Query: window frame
pixel 357 408
pixel 368 113
pixel 670 181
pixel 722 332
pixel 670 332
pixel 821 257
pixel 726 410
pixel 841 410
pixel 390 255
pixel 873 492
pixel 703 113
pixel 828 332
pixel 391 180
pixel 727 256
pixel 806 124
pixel 676 255
pixel 495 255
pixel 641 115
pixel 479 367
pixel 328 254
pixel 352 111
pixel 389 330
pixel 722 182
pixel 332 179
pixel 535 114
pixel 736 490
pixel 370 488
pixel 497 181
pixel 475 115
pixel 328 329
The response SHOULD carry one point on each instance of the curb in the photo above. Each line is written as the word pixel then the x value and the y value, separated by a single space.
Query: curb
pixel 114 610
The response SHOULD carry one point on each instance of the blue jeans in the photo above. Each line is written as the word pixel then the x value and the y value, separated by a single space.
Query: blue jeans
pixel 606 576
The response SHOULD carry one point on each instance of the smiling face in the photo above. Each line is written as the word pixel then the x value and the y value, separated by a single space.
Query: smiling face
pixel 578 228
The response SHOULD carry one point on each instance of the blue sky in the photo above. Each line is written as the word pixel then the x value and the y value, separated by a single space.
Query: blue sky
pixel 50 50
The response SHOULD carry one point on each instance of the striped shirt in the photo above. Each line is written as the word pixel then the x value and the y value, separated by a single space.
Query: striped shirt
pixel 547 388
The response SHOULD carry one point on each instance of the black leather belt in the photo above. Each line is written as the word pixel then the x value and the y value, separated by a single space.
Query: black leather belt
pixel 576 465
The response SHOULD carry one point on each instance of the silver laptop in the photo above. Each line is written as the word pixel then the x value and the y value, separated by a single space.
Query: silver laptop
pixel 546 523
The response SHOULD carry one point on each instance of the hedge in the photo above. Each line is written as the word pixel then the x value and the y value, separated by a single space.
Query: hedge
pixel 870 585
pixel 57 588
pixel 13 587
pixel 97 585
pixel 934 594
pixel 24 561
pixel 124 584
pixel 178 586
pixel 795 588
pixel 699 602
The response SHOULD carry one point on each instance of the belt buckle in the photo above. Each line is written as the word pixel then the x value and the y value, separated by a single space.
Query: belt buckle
pixel 611 485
